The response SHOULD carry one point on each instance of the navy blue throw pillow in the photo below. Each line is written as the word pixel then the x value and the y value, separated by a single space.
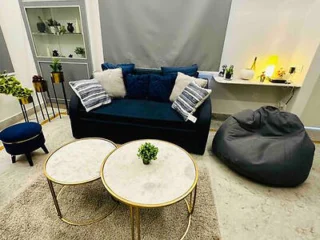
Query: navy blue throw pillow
pixel 160 87
pixel 137 86
pixel 189 70
pixel 127 68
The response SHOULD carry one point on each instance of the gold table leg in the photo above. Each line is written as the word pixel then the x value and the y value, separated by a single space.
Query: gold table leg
pixel 135 217
pixel 56 204
pixel 192 203
pixel 54 196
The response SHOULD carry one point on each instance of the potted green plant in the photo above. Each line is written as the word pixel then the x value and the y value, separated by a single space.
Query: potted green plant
pixel 56 73
pixel 10 85
pixel 229 72
pixel 39 84
pixel 147 152
pixel 80 52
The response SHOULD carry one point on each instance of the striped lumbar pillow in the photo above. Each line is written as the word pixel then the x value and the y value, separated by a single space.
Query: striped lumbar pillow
pixel 91 93
pixel 189 100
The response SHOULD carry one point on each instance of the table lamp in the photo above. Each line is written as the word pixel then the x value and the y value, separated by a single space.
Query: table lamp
pixel 271 65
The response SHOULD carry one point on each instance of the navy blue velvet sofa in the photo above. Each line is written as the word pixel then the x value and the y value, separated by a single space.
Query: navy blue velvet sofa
pixel 129 119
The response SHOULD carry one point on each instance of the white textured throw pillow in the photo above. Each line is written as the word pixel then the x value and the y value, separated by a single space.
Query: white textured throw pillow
pixel 182 81
pixel 112 82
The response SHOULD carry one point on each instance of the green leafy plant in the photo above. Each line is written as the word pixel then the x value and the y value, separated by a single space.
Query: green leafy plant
pixel 56 65
pixel 229 70
pixel 80 51
pixel 147 152
pixel 10 85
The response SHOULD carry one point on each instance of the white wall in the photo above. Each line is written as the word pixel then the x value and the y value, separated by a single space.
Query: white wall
pixel 262 28
pixel 311 114
pixel 20 52
pixel 306 54
pixel 95 36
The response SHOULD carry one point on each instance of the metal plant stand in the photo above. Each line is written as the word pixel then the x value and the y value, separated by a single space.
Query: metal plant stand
pixel 64 94
pixel 41 88
pixel 22 103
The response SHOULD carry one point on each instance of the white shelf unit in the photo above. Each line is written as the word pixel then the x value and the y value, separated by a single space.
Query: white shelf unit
pixel 266 83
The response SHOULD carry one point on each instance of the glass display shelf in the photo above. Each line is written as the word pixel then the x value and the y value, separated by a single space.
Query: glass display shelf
pixel 57 31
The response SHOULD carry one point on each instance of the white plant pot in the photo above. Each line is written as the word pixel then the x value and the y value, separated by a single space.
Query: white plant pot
pixel 53 30
pixel 246 74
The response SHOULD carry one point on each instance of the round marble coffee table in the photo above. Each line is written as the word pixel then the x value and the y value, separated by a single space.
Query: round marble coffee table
pixel 165 181
pixel 77 162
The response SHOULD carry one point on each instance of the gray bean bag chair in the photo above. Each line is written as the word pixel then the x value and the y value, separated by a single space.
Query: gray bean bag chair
pixel 266 145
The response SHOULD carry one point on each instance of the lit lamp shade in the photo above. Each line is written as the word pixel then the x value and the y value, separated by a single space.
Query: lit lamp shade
pixel 271 65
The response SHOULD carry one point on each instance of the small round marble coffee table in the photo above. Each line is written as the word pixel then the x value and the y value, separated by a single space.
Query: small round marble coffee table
pixel 77 162
pixel 165 181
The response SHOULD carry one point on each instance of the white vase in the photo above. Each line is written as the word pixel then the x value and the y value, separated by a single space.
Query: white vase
pixel 53 29
pixel 246 74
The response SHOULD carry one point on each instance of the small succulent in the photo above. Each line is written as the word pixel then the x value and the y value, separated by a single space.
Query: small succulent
pixel 79 50
pixel 147 152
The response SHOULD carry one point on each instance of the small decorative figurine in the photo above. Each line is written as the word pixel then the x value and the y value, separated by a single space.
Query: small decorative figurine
pixel 70 56
pixel 55 53
pixel 262 76
pixel 223 70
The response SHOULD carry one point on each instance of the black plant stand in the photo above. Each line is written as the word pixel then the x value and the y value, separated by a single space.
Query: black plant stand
pixel 64 96
pixel 40 89
pixel 24 110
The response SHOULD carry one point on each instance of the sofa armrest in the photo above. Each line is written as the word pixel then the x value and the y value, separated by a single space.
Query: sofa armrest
pixel 74 106
pixel 204 113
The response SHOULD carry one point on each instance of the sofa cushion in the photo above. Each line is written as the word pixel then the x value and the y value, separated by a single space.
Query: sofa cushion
pixel 137 86
pixel 139 71
pixel 188 70
pixel 112 81
pixel 182 81
pixel 151 113
pixel 160 87
pixel 126 67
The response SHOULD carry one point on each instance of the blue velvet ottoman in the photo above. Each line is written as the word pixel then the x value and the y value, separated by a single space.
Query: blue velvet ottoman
pixel 23 138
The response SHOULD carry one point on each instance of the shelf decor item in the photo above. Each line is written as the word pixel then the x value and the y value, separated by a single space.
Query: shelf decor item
pixel 147 152
pixel 57 77
pixel 52 27
pixel 223 70
pixel 41 26
pixel 229 72
pixel 80 52
pixel 248 73
pixel 70 27
pixel 271 65
pixel 10 85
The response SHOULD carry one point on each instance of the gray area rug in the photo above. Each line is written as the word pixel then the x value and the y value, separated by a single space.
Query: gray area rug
pixel 32 215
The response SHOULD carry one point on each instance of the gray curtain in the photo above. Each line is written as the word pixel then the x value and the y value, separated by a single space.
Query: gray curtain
pixel 155 33
pixel 5 60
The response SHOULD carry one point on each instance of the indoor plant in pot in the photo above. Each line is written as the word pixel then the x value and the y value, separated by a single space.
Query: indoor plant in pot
pixel 39 84
pixel 56 73
pixel 80 52
pixel 229 72
pixel 52 27
pixel 147 152
pixel 10 85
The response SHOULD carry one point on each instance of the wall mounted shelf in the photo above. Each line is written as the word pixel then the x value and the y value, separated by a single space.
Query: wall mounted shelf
pixel 253 82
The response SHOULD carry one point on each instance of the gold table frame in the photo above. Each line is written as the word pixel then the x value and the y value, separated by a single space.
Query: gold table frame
pixel 56 196
pixel 135 208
